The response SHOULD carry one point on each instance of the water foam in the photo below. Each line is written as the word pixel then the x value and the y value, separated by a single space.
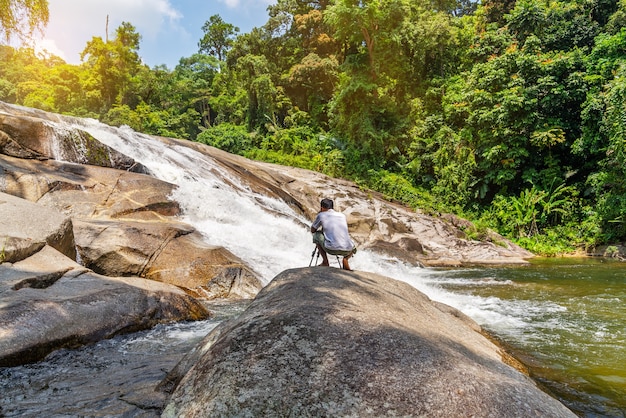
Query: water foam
pixel 228 214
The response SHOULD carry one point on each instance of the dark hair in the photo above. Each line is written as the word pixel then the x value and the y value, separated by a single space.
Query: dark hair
pixel 327 204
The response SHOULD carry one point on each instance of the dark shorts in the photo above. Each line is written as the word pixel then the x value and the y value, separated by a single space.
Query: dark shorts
pixel 318 238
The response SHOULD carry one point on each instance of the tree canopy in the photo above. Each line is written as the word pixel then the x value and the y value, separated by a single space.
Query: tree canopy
pixel 21 18
pixel 510 113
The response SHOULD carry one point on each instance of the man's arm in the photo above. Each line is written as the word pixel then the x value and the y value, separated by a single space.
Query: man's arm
pixel 316 223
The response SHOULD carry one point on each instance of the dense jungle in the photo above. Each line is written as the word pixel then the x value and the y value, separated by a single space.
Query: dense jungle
pixel 511 114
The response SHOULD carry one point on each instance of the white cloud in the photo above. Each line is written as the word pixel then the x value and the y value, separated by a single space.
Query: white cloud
pixel 246 3
pixel 231 3
pixel 74 22
pixel 47 47
pixel 148 16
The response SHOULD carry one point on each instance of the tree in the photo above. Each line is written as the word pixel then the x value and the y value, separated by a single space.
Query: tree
pixel 21 18
pixel 218 37
pixel 194 77
pixel 113 65
pixel 374 24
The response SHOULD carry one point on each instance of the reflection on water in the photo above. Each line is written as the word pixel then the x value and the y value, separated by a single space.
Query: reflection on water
pixel 115 377
pixel 564 318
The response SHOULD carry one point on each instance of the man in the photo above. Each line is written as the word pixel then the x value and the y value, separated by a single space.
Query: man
pixel 333 237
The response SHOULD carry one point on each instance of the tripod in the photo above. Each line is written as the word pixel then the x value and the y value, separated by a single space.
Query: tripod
pixel 316 254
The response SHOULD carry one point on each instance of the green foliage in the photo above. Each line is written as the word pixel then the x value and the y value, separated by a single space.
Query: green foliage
pixel 113 64
pixel 301 147
pixel 21 18
pixel 218 37
pixel 7 90
pixel 228 137
pixel 3 250
pixel 396 187
pixel 534 210
pixel 148 119
pixel 511 111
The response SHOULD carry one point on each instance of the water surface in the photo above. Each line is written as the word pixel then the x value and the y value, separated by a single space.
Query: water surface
pixel 564 318
pixel 113 378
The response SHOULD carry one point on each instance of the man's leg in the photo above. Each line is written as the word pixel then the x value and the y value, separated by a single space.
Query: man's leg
pixel 318 239
pixel 346 265
pixel 323 254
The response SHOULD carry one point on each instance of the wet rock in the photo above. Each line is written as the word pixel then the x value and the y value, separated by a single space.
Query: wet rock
pixel 204 270
pixel 168 252
pixel 123 248
pixel 87 191
pixel 50 302
pixel 31 133
pixel 25 228
pixel 326 342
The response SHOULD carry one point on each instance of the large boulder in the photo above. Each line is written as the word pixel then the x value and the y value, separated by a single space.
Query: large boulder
pixel 31 133
pixel 50 302
pixel 168 252
pixel 125 224
pixel 86 191
pixel 326 342
pixel 206 271
pixel 26 228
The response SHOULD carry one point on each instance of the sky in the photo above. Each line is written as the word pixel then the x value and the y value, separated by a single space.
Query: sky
pixel 169 29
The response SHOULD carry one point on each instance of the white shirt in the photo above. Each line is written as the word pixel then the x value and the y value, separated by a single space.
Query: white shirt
pixel 335 228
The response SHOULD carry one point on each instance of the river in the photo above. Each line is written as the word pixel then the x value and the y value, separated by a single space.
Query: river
pixel 566 320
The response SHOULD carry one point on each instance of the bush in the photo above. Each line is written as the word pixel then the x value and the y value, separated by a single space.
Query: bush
pixel 300 147
pixel 395 186
pixel 228 137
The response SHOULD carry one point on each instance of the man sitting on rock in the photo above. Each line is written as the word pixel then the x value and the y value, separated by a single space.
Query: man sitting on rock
pixel 330 234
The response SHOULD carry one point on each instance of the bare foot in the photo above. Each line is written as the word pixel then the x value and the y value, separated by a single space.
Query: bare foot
pixel 324 264
pixel 346 266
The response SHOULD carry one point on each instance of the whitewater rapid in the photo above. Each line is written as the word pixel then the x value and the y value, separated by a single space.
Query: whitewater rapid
pixel 229 214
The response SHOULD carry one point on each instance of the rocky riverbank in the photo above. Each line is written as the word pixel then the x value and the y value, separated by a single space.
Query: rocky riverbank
pixel 93 245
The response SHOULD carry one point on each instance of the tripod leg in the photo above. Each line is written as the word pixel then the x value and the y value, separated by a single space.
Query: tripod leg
pixel 313 255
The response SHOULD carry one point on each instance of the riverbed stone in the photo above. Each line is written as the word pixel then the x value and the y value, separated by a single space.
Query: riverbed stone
pixel 328 342
pixel 168 252
pixel 26 228
pixel 47 302
pixel 123 247
pixel 206 271
pixel 32 133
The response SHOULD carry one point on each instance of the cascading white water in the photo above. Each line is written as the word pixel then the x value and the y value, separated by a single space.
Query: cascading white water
pixel 228 214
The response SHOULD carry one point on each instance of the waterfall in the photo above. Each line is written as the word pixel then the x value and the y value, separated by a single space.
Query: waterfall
pixel 228 214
